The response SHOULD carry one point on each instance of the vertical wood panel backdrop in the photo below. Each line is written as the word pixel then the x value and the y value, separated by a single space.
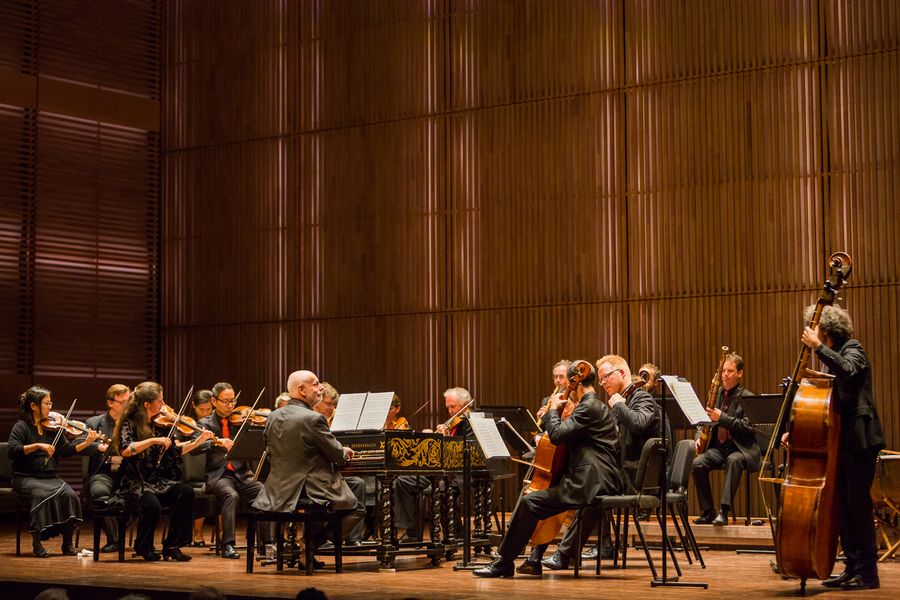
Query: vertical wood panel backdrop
pixel 80 181
pixel 414 195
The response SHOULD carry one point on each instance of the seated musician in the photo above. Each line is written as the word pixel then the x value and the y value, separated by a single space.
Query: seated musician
pixel 282 400
pixel 592 471
pixel 202 405
pixel 104 464
pixel 408 488
pixel 328 403
pixel 394 420
pixel 637 420
pixel 303 454
pixel 228 480
pixel 54 505
pixel 732 445
pixel 861 440
pixel 150 471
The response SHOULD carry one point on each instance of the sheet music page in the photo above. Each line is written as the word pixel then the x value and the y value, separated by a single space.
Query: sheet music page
pixel 488 437
pixel 375 412
pixel 349 408
pixel 687 399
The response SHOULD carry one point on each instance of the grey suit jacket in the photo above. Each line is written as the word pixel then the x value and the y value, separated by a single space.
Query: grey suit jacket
pixel 303 454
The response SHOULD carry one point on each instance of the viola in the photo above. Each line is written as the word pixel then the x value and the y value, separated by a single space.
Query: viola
pixel 72 428
pixel 254 416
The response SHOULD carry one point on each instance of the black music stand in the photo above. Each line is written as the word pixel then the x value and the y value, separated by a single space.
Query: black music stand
pixel 663 493
pixel 249 446
pixel 762 412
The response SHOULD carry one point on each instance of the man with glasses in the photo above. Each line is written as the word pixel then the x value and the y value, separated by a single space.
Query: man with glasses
pixel 103 466
pixel 228 480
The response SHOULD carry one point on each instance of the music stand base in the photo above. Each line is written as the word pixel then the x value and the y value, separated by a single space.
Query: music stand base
pixel 470 566
pixel 673 582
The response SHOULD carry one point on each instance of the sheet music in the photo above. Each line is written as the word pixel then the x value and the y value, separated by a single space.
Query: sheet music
pixel 488 437
pixel 348 411
pixel 375 411
pixel 687 399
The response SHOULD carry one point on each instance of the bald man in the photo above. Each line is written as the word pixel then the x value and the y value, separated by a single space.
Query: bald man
pixel 303 455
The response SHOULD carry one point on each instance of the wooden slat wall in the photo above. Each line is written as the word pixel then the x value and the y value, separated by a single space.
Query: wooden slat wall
pixel 79 197
pixel 414 195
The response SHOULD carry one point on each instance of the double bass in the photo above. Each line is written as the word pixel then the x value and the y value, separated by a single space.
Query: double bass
pixel 806 529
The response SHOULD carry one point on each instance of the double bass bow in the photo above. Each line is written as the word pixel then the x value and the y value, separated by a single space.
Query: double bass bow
pixel 806 528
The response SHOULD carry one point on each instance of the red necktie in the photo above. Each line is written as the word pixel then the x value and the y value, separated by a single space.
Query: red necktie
pixel 226 433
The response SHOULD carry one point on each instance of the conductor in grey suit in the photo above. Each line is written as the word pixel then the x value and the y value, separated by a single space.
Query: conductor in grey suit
pixel 303 455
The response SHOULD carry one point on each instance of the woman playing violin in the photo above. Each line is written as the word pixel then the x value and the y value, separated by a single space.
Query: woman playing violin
pixel 394 420
pixel 147 478
pixel 54 504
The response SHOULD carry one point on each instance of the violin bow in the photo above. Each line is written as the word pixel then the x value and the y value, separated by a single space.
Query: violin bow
pixel 247 418
pixel 175 423
pixel 61 429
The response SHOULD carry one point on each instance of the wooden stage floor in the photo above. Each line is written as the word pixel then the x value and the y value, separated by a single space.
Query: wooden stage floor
pixel 728 575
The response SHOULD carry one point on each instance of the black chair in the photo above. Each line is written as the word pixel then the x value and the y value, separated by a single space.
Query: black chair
pixel 100 510
pixel 307 513
pixel 650 471
pixel 8 493
pixel 677 498
pixel 193 473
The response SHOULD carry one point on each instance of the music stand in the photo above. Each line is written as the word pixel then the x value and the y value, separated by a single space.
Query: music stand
pixel 762 412
pixel 676 417
pixel 250 445
pixel 663 496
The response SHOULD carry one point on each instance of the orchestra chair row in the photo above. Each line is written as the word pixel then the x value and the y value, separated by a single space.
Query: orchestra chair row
pixel 307 512
pixel 7 493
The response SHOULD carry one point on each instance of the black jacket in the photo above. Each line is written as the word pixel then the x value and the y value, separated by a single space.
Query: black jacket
pixel 593 467
pixel 98 463
pixel 215 455
pixel 860 425
pixel 638 421
pixel 738 425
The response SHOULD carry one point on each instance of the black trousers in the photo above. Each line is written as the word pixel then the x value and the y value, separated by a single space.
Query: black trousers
pixel 714 458
pixel 857 526
pixel 358 487
pixel 530 509
pixel 229 490
pixel 101 486
pixel 567 546
pixel 180 499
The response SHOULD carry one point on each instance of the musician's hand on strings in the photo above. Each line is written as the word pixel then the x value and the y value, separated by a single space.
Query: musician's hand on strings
pixel 555 402
pixel 786 440
pixel 810 338
pixel 615 399
pixel 714 414
pixel 92 437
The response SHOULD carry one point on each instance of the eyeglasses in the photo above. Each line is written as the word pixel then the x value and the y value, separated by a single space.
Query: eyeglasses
pixel 47 403
pixel 604 377
pixel 225 401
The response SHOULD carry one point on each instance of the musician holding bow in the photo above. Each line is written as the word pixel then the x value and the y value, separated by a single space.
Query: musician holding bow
pixel 592 468
pixel 228 480
pixel 861 439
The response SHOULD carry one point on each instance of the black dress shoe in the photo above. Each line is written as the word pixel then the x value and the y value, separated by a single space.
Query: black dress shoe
pixel 706 518
pixel 530 567
pixel 837 580
pixel 589 554
pixel 175 554
pixel 721 518
pixel 318 564
pixel 858 582
pixel 198 544
pixel 69 551
pixel 556 562
pixel 498 568
pixel 110 547
pixel 40 551
pixel 229 552
pixel 151 556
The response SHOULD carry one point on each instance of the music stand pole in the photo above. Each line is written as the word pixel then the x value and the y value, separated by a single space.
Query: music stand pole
pixel 663 492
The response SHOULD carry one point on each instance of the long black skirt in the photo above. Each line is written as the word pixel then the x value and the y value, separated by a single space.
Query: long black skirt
pixel 53 503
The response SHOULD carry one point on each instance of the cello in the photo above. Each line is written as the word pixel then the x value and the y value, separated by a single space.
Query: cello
pixel 806 528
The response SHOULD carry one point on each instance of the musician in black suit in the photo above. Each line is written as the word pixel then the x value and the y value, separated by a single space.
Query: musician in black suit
pixel 732 445
pixel 104 463
pixel 592 470
pixel 862 438
pixel 228 480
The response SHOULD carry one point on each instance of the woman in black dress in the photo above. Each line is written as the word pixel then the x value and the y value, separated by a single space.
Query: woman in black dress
pixel 147 483
pixel 54 505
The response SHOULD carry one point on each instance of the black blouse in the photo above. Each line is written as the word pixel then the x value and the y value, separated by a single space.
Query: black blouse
pixel 24 433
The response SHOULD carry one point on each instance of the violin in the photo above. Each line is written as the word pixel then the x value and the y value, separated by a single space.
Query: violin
pixel 400 423
pixel 254 416
pixel 185 425
pixel 70 427
pixel 456 418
